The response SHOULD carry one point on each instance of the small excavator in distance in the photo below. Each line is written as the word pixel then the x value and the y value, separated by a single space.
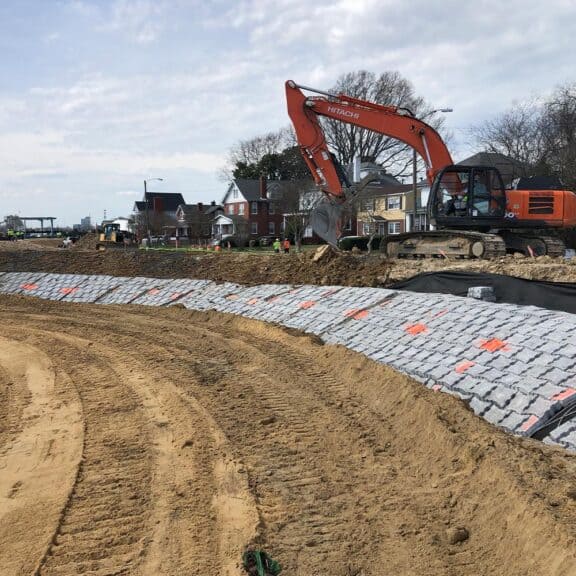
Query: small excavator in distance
pixel 471 212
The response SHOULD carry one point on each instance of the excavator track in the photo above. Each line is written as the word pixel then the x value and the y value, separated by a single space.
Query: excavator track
pixel 534 243
pixel 555 247
pixel 445 244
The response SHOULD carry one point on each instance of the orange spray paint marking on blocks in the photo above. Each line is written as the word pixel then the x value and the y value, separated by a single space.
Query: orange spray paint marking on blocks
pixel 529 423
pixel 463 366
pixel 494 345
pixel 252 301
pixel 307 304
pixel 356 313
pixel 29 286
pixel 232 297
pixel 416 329
pixel 563 395
pixel 175 295
pixel 68 290
pixel 153 291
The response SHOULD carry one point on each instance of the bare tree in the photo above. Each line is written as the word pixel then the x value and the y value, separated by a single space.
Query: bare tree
pixel 517 133
pixel 298 200
pixel 241 231
pixel 349 141
pixel 540 134
pixel 252 150
pixel 559 129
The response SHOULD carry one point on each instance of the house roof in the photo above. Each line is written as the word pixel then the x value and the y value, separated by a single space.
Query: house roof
pixel 250 189
pixel 212 208
pixel 194 209
pixel 510 168
pixel 164 201
pixel 231 218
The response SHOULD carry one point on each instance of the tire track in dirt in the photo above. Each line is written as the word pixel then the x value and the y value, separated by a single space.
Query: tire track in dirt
pixel 180 426
pixel 188 492
pixel 111 489
pixel 281 511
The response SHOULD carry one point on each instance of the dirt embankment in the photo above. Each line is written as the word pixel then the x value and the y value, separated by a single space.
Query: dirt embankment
pixel 245 268
pixel 147 441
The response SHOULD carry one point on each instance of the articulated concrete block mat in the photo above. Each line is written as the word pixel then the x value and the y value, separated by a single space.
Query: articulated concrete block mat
pixel 515 366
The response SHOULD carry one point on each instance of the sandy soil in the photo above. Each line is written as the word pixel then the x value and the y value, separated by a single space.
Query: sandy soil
pixel 162 441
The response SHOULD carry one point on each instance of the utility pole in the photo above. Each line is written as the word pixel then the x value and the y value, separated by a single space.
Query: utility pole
pixel 414 188
pixel 415 170
pixel 146 213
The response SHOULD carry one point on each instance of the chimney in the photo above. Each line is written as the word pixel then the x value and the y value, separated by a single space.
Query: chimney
pixel 263 191
pixel 213 203
pixel 200 207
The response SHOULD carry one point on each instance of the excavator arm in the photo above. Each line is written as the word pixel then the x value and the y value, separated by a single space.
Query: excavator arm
pixel 392 121
pixel 398 123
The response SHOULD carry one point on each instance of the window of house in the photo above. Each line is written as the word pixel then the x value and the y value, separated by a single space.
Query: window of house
pixel 254 228
pixel 381 228
pixel 393 203
pixel 368 205
pixel 241 209
pixel 230 209
pixel 348 225
pixel 253 207
pixel 271 228
pixel 393 227
pixel 234 193
pixel 271 208
pixel 366 229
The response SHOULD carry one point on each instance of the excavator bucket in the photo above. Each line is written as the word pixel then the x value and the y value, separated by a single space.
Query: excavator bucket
pixel 326 220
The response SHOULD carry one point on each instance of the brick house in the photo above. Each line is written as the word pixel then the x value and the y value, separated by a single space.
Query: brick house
pixel 252 209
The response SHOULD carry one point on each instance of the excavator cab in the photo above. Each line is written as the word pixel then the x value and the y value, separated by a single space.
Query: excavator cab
pixel 467 197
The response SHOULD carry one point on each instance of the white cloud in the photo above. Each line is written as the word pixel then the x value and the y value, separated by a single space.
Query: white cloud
pixel 139 20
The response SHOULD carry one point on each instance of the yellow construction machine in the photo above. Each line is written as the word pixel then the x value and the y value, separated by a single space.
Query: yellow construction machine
pixel 113 238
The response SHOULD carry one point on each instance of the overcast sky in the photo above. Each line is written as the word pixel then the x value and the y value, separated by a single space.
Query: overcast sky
pixel 98 95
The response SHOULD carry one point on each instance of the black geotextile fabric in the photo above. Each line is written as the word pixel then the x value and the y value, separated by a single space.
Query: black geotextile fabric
pixel 509 289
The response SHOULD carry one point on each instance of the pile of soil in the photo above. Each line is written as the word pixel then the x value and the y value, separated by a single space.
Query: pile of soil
pixel 252 268
pixel 164 441
pixel 50 244
pixel 86 242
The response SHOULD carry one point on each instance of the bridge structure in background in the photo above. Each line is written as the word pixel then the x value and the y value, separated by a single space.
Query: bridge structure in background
pixel 40 219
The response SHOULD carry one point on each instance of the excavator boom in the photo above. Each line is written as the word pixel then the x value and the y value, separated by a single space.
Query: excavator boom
pixel 398 123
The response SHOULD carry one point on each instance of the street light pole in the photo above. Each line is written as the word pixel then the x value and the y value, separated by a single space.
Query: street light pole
pixel 146 213
pixel 415 170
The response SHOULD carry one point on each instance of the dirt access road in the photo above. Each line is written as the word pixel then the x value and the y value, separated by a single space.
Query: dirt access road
pixel 163 441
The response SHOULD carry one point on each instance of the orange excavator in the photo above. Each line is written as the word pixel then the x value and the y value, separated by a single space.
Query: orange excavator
pixel 472 214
